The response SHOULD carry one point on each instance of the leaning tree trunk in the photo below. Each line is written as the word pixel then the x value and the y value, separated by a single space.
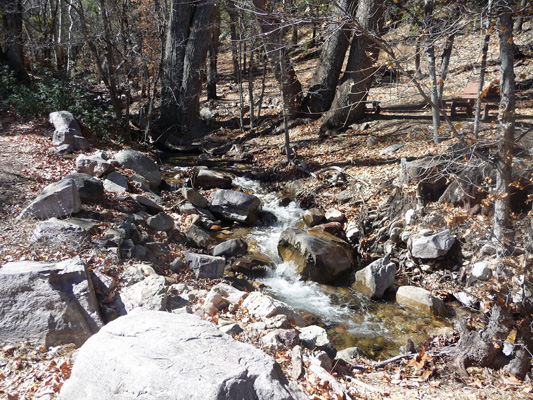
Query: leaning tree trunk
pixel 349 103
pixel 211 68
pixel 186 51
pixel 321 94
pixel 506 118
pixel 11 11
pixel 278 57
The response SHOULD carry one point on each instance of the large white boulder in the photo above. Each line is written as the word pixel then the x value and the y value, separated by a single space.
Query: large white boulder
pixel 158 355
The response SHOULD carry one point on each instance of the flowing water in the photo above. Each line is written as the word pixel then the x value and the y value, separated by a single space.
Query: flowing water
pixel 351 319
pixel 378 328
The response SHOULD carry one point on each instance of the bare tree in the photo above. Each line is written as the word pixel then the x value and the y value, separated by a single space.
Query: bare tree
pixel 321 94
pixel 268 21
pixel 349 103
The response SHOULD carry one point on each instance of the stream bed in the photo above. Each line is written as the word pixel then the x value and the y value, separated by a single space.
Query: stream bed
pixel 378 328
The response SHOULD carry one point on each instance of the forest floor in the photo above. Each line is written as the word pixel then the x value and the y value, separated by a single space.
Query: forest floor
pixel 26 166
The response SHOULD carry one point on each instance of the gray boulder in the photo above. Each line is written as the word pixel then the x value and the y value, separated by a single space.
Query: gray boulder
pixel 158 355
pixel 149 202
pixel 90 189
pixel 419 299
pixel 432 246
pixel 198 236
pixel 263 306
pixel 375 278
pixel 230 248
pixel 160 222
pixel 58 232
pixel 206 266
pixel 93 165
pixel 208 179
pixel 65 121
pixel 194 197
pixel 141 164
pixel 58 199
pixel 321 258
pixel 236 206
pixel 46 303
pixel 116 183
pixel 150 294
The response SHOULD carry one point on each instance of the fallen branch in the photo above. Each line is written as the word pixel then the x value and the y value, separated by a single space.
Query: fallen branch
pixel 381 364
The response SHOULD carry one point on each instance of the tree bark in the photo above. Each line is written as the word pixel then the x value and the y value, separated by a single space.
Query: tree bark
pixel 482 70
pixel 430 50
pixel 349 103
pixel 506 119
pixel 444 64
pixel 211 68
pixel 186 51
pixel 278 57
pixel 230 8
pixel 11 11
pixel 321 94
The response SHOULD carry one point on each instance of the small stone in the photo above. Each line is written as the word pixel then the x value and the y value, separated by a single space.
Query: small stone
pixel 161 222
pixel 313 217
pixel 334 215
pixel 481 271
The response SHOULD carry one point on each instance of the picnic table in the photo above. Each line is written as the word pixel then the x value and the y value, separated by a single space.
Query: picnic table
pixel 490 99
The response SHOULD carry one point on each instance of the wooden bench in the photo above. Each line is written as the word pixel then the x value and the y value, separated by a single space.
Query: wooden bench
pixel 490 99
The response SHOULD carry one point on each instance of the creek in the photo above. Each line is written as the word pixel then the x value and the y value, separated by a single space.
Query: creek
pixel 378 328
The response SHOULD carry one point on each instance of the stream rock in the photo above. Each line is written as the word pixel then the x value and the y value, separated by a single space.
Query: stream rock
pixel 313 217
pixel 208 179
pixel 205 266
pixel 55 232
pixel 93 165
pixel 419 299
pixel 263 306
pixel 141 164
pixel 230 248
pixel 194 197
pixel 149 294
pixel 161 222
pixel 432 246
pixel 315 337
pixel 376 278
pixel 116 183
pixel 47 302
pixel 158 355
pixel 90 189
pixel 236 206
pixel 321 259
pixel 199 236
pixel 58 200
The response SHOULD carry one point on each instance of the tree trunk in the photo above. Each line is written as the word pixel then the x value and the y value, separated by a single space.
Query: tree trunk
pixel 418 50
pixel 482 70
pixel 186 51
pixel 349 103
pixel 278 57
pixel 444 64
pixel 430 50
pixel 321 94
pixel 506 119
pixel 213 56
pixel 230 7
pixel 11 11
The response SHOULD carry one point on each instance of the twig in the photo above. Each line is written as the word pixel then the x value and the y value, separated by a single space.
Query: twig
pixel 381 364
